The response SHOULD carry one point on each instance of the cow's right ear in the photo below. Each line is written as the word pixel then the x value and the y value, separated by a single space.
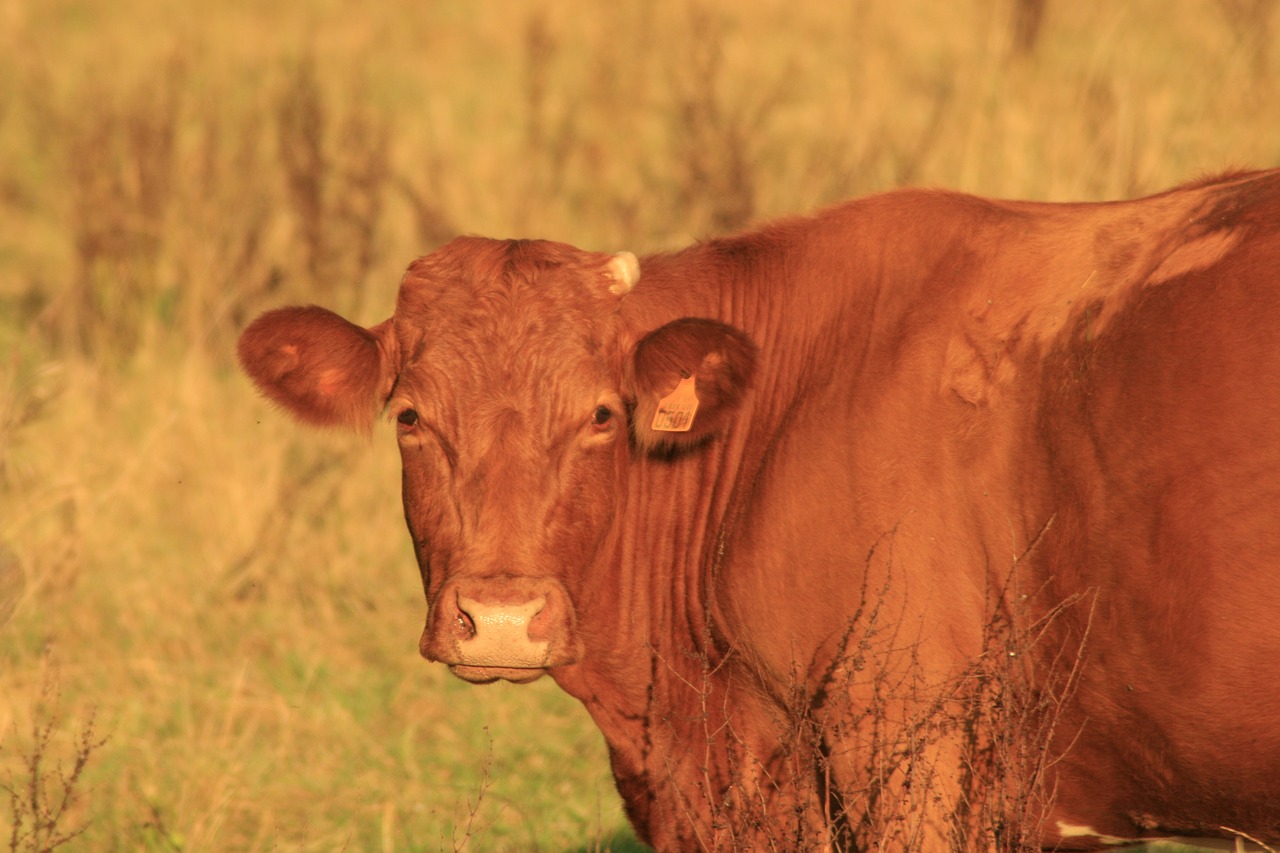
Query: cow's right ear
pixel 322 368
pixel 688 379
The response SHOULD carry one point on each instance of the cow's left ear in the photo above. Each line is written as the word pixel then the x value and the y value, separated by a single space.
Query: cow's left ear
pixel 324 369
pixel 688 378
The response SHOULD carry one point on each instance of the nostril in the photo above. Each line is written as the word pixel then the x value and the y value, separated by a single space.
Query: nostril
pixel 542 624
pixel 464 625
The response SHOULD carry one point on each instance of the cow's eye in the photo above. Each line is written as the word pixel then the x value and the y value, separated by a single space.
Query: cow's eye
pixel 408 417
pixel 601 416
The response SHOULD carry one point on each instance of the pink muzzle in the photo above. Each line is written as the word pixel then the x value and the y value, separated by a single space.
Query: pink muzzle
pixel 500 627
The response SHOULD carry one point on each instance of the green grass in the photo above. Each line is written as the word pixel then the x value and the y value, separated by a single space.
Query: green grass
pixel 233 598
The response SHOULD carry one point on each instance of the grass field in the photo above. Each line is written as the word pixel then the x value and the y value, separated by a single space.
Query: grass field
pixel 209 617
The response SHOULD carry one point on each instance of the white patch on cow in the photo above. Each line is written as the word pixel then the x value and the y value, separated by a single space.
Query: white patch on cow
pixel 1075 830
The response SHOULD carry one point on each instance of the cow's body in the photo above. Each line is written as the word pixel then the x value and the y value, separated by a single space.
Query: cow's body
pixel 976 539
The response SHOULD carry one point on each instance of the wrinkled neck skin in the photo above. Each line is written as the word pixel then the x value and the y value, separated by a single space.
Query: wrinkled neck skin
pixel 693 719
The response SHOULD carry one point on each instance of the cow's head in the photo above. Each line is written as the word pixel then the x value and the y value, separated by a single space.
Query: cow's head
pixel 519 395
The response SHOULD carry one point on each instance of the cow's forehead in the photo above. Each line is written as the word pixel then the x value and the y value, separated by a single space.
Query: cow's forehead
pixel 511 317
pixel 475 284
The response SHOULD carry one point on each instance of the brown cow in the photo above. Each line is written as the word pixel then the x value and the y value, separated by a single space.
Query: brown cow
pixel 925 522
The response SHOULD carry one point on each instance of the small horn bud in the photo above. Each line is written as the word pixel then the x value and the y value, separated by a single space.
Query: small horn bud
pixel 624 269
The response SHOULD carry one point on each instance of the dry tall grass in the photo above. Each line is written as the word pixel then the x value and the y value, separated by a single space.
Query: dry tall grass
pixel 234 599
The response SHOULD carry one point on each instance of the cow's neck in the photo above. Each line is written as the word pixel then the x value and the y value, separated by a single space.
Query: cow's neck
pixel 679 513
pixel 652 679
pixel 655 673
pixel 645 612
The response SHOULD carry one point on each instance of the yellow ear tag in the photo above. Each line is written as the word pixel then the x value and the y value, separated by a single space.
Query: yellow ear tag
pixel 676 410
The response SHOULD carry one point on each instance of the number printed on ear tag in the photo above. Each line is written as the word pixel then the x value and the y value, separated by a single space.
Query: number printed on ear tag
pixel 676 410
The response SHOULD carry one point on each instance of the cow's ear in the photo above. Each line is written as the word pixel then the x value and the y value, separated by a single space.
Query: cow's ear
pixel 324 369
pixel 688 378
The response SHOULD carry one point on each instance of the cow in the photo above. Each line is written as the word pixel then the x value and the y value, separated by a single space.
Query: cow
pixel 927 521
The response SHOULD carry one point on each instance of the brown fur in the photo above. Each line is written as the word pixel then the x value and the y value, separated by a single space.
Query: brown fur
pixel 720 359
pixel 322 368
pixel 926 416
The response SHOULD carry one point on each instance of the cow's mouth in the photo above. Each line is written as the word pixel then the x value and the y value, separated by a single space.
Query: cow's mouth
pixel 487 674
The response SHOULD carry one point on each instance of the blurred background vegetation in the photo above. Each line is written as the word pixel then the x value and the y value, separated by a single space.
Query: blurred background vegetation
pixel 220 611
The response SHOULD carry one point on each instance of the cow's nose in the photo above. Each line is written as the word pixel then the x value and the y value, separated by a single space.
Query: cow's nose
pixel 498 634
pixel 486 624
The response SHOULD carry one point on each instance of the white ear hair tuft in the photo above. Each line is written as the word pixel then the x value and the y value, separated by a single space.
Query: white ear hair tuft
pixel 624 269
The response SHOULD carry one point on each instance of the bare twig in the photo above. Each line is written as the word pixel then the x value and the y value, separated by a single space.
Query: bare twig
pixel 40 803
